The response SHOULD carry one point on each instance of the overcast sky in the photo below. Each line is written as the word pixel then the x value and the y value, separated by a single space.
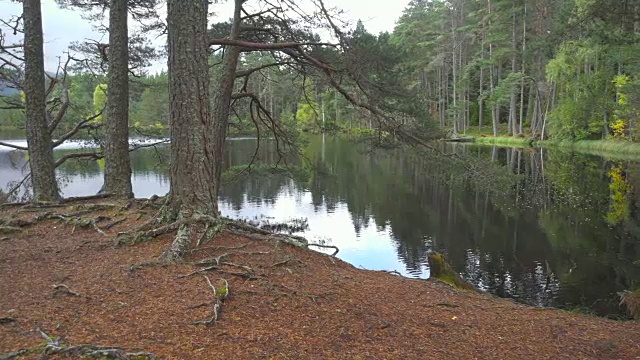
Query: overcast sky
pixel 61 27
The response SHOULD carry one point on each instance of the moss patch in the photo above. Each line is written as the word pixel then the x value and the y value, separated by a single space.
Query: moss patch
pixel 441 270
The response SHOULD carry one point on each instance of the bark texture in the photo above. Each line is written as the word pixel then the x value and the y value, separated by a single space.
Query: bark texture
pixel 43 178
pixel 194 184
pixel 117 174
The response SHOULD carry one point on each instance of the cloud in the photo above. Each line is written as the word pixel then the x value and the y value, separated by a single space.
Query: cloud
pixel 62 27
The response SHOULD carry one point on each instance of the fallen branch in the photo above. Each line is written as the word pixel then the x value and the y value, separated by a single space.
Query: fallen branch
pixel 13 354
pixel 114 223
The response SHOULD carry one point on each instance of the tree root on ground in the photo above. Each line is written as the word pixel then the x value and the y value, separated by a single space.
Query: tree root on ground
pixel 76 220
pixel 5 230
pixel 189 235
pixel 218 298
pixel 13 226
pixel 327 247
pixel 248 274
pixel 61 203
pixel 55 346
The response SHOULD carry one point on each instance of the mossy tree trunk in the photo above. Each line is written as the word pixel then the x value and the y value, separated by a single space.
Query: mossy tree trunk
pixel 117 174
pixel 43 178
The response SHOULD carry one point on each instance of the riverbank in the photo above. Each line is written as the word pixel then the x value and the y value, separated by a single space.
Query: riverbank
pixel 614 148
pixel 285 302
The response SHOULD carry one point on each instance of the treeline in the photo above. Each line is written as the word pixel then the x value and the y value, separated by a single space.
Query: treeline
pixel 566 70
pixel 305 103
pixel 374 75
pixel 561 69
pixel 149 103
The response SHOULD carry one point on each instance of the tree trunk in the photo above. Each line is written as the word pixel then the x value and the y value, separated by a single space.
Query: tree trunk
pixel 43 178
pixel 197 133
pixel 194 186
pixel 117 174
pixel 513 121
pixel 523 67
pixel 481 89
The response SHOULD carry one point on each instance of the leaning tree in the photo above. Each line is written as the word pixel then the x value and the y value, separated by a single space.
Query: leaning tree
pixel 199 120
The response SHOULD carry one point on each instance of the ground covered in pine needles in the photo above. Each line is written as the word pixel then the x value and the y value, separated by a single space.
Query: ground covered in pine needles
pixel 63 283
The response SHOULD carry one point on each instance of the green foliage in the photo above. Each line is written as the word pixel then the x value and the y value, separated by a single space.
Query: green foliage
pixel 504 141
pixel 308 116
pixel 441 270
pixel 99 101
pixel 150 111
pixel 619 210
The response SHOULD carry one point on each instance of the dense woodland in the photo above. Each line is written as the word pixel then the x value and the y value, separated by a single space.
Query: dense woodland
pixel 566 69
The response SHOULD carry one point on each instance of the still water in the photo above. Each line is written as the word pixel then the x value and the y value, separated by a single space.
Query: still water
pixel 548 228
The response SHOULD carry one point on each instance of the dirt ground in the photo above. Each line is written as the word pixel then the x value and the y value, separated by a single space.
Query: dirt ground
pixel 284 302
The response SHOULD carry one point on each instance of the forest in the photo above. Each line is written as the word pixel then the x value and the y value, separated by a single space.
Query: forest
pixel 135 200
pixel 561 70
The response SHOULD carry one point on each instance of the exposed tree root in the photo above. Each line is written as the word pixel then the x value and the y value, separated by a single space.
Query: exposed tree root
pixel 212 261
pixel 327 247
pixel 61 203
pixel 7 320
pixel 114 223
pixel 144 264
pixel 13 354
pixel 4 230
pixel 16 222
pixel 55 346
pixel 219 247
pixel 218 298
pixel 286 261
pixel 76 220
pixel 195 230
pixel 218 268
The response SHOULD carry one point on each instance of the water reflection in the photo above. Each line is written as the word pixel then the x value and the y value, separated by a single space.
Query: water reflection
pixel 545 227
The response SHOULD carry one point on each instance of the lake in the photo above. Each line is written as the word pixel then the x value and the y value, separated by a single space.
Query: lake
pixel 543 227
